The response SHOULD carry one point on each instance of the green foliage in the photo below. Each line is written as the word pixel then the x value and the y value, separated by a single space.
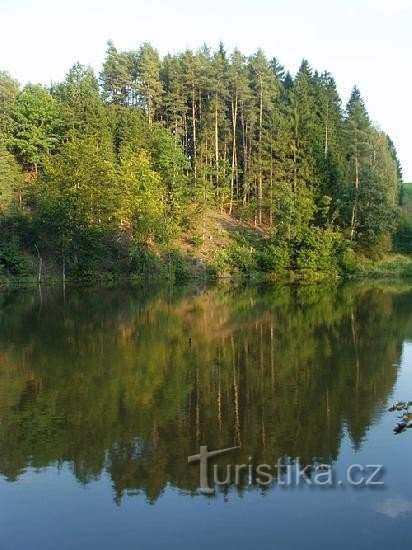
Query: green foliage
pixel 178 266
pixel 316 251
pixel 143 261
pixel 142 196
pixel 11 179
pixel 239 256
pixel 81 109
pixel 35 123
pixel 402 239
pixel 13 261
pixel 76 202
pixel 372 179
pixel 9 90
pixel 242 257
pixel 274 258
pixel 124 165
pixel 346 257
pixel 394 266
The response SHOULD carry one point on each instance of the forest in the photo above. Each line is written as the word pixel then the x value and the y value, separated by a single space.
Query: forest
pixel 119 173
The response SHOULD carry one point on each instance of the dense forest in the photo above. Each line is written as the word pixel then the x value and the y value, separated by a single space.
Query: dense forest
pixel 107 173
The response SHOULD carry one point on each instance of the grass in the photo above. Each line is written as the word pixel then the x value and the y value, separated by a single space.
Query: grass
pixel 392 266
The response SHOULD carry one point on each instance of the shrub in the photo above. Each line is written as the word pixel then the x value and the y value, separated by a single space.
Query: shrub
pixel 12 259
pixel 316 251
pixel 242 257
pixel 402 239
pixel 179 267
pixel 274 258
pixel 142 260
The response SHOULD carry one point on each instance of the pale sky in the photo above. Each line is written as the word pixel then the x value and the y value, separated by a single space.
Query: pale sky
pixel 363 42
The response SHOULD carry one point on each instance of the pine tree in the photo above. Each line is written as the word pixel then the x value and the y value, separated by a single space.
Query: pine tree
pixel 117 76
pixel 149 85
pixel 357 134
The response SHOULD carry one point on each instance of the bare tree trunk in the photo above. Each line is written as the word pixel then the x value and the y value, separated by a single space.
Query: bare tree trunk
pixel 296 145
pixel 245 155
pixel 260 180
pixel 232 178
pixel 63 269
pixel 271 185
pixel 39 274
pixel 355 202
pixel 194 131
pixel 326 130
pixel 149 109
pixel 216 145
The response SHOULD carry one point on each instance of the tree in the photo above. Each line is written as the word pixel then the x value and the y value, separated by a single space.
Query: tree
pixel 117 76
pixel 80 106
pixel 238 93
pixel 357 133
pixel 265 87
pixel 330 150
pixel 9 90
pixel 77 203
pixel 35 126
pixel 373 172
pixel 149 85
pixel 11 179
pixel 163 140
pixel 143 197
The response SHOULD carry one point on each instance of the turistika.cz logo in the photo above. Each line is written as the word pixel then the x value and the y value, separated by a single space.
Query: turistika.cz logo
pixel 285 472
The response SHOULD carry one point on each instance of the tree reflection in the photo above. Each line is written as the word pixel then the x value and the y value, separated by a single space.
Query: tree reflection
pixel 132 381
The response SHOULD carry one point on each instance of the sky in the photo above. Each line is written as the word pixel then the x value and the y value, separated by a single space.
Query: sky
pixel 362 42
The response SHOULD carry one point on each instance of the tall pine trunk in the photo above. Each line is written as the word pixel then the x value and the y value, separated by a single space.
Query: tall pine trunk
pixel 355 202
pixel 260 178
pixel 234 157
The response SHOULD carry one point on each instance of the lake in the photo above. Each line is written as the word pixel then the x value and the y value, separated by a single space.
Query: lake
pixel 105 393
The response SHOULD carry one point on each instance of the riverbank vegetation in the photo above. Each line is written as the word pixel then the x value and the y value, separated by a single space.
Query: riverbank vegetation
pixel 196 163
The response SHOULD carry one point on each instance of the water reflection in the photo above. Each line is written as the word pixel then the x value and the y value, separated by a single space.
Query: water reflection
pixel 131 381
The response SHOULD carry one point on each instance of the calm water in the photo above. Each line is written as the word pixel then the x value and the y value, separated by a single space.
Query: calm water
pixel 105 393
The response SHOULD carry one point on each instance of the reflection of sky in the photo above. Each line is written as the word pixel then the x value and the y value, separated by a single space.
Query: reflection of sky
pixel 403 390
pixel 394 507
pixel 50 509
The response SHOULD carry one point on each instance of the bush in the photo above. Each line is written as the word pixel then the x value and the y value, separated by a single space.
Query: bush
pixel 143 261
pixel 274 258
pixel 242 257
pixel 12 259
pixel 346 257
pixel 402 239
pixel 178 266
pixel 316 251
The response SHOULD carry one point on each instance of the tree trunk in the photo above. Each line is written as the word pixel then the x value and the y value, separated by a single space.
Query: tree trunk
pixel 232 177
pixel 245 155
pixel 194 131
pixel 355 202
pixel 260 179
pixel 216 145
pixel 39 274
pixel 326 131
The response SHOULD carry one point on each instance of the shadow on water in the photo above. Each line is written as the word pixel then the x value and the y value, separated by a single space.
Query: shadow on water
pixel 131 382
